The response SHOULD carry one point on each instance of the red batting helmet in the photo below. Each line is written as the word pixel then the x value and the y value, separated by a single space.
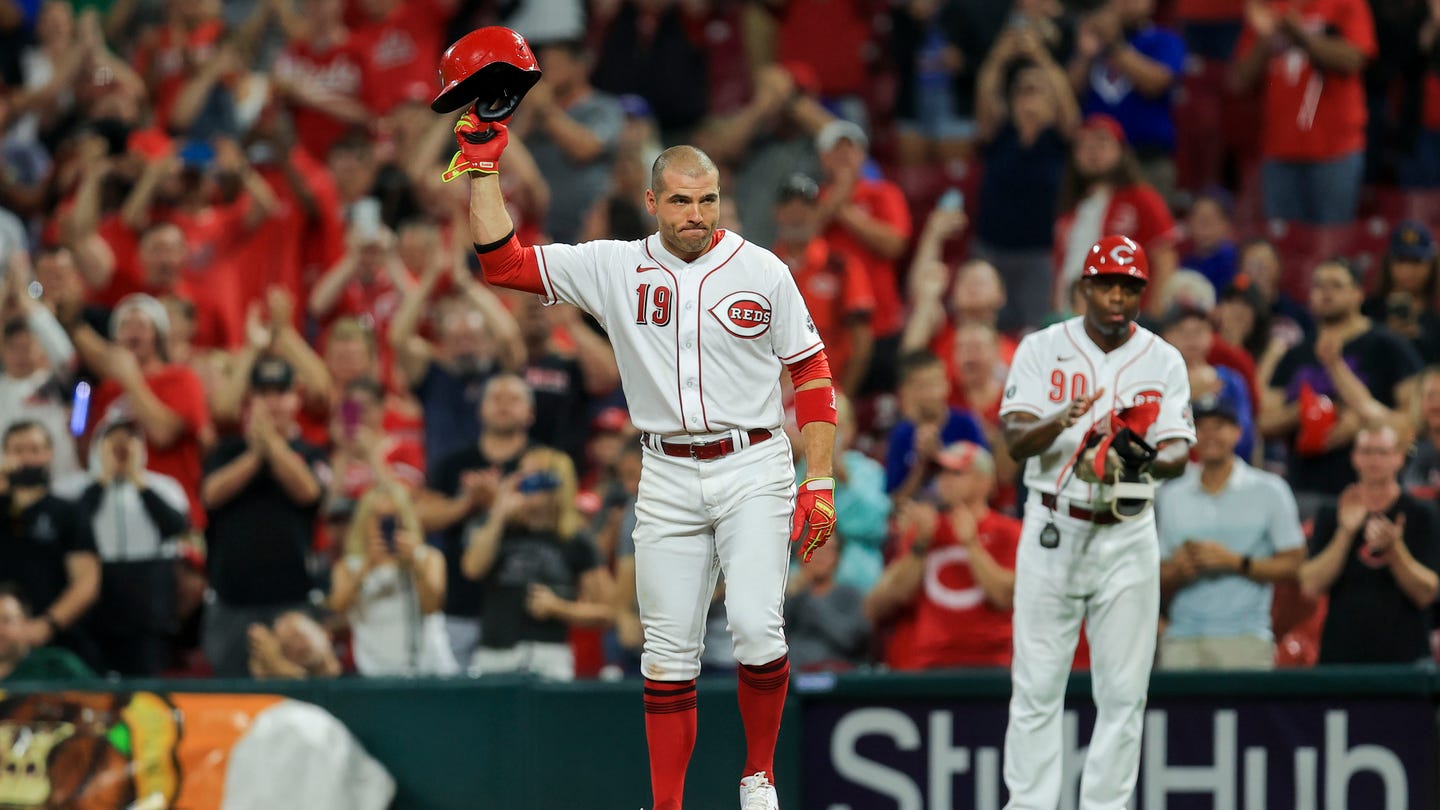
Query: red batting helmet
pixel 492 67
pixel 1116 255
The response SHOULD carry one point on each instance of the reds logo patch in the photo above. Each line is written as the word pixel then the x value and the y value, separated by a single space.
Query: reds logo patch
pixel 1148 398
pixel 743 314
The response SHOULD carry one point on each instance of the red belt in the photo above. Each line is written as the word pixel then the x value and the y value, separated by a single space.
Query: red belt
pixel 707 451
pixel 1105 518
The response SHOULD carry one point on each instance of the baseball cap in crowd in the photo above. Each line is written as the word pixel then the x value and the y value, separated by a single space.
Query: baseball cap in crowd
pixel 1214 405
pixel 1104 123
pixel 798 186
pixel 1411 241
pixel 610 420
pixel 271 374
pixel 841 130
pixel 961 456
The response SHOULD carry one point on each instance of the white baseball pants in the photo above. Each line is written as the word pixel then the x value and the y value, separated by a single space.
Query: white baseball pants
pixel 1108 576
pixel 694 519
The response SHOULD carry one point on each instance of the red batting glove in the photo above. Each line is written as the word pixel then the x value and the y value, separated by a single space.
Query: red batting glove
pixel 814 515
pixel 476 157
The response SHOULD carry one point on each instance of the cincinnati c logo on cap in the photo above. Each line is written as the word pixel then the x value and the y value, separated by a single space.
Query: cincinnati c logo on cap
pixel 1122 255
pixel 743 314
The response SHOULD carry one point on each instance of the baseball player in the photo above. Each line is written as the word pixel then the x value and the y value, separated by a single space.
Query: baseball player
pixel 1100 407
pixel 701 322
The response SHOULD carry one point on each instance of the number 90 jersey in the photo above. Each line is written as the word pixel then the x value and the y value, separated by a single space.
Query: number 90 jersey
pixel 700 345
pixel 1056 365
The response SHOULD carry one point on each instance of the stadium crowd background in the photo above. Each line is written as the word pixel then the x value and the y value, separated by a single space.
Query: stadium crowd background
pixel 259 418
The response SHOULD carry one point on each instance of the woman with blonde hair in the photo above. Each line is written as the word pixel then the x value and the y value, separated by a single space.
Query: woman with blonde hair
pixel 391 588
pixel 541 574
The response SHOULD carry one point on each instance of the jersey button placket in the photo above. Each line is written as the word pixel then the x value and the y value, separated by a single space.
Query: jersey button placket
pixel 688 365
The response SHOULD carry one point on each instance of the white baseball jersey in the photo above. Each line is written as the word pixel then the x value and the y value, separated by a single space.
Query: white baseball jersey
pixel 1056 365
pixel 700 345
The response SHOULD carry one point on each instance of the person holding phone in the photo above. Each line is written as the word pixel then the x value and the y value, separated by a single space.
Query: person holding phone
pixel 542 575
pixel 390 586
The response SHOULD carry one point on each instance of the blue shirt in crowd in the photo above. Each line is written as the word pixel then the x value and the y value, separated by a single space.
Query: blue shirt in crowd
pixel 1254 515
pixel 959 426
pixel 1220 267
pixel 1146 120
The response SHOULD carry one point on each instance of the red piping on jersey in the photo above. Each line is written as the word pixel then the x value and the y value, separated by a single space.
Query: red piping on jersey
pixel 1094 380
pixel 514 266
pixel 788 358
pixel 679 392
pixel 814 367
pixel 1141 353
pixel 699 331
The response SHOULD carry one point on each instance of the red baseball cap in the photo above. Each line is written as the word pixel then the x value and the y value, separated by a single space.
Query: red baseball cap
pixel 1104 123
pixel 1116 255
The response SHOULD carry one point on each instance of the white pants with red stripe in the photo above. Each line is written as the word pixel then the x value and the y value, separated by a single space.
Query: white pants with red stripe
pixel 1109 577
pixel 694 519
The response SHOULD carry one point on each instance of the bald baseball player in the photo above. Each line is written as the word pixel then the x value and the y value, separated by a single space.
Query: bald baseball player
pixel 1099 409
pixel 702 323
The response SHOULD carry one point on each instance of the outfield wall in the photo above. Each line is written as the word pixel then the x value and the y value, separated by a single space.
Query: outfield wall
pixel 1307 739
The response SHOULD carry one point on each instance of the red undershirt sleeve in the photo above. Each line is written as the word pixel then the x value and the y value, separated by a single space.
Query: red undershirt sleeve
pixel 509 264
pixel 814 367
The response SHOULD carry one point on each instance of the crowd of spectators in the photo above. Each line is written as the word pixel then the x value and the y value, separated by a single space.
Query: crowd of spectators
pixel 259 417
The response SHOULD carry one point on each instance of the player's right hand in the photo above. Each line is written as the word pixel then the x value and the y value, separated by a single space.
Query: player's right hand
pixel 1079 407
pixel 476 156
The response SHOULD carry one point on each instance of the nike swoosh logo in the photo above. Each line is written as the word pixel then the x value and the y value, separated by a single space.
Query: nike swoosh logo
pixel 642 268
pixel 1060 359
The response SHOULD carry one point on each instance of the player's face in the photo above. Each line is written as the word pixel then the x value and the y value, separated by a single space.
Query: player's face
pixel 1377 456
pixel 1215 438
pixel 686 211
pixel 1111 302
pixel 1334 295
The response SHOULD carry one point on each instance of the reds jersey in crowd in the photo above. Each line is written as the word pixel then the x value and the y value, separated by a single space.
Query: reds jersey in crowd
pixel 699 345
pixel 1057 365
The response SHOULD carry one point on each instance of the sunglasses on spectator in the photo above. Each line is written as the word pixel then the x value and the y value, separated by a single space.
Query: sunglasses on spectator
pixel 542 481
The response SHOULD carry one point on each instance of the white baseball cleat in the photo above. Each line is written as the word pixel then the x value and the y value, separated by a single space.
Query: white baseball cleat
pixel 756 793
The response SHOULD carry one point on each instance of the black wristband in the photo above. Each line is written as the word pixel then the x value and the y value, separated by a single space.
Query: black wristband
pixel 496 245
pixel 1245 565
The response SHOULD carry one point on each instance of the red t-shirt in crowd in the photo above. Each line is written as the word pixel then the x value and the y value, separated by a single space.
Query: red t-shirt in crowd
pixel 180 389
pixel 884 201
pixel 835 56
pixel 404 460
pixel 167 62
pixel 950 624
pixel 402 50
pixel 291 249
pixel 1313 115
pixel 125 247
pixel 1432 102
pixel 340 69
pixel 836 289
pixel 942 345
pixel 215 235
pixel 1210 10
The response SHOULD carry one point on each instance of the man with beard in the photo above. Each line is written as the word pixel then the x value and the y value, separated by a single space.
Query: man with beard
pixel 1324 389
pixel 463 485
pixel 477 338
pixel 45 546
pixel 1100 407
